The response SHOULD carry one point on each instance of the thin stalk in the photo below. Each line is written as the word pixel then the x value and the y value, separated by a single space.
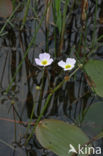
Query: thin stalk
pixel 47 40
pixel 12 25
pixel 48 100
pixel 8 20
pixel 5 143
pixel 94 41
pixel 79 48
pixel 63 27
pixel 41 89
pixel 39 118
pixel 85 41
pixel 55 34
pixel 47 24
pixel 25 14
pixel 14 3
pixel 13 105
pixel 14 122
pixel 95 22
pixel 99 38
pixel 27 51
pixel 31 116
pixel 17 121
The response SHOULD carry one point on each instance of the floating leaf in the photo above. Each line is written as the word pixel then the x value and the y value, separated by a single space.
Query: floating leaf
pixel 93 120
pixel 59 136
pixel 5 8
pixel 94 69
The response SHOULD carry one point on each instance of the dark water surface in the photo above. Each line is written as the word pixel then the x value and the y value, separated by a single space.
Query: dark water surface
pixel 67 103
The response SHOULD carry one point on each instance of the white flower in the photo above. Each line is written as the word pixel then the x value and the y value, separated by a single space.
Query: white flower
pixel 68 65
pixel 44 59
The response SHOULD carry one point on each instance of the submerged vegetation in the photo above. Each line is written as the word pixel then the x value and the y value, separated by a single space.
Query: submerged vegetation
pixel 51 81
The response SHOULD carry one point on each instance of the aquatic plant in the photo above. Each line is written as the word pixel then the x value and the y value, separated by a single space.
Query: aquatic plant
pixel 64 36
pixel 68 65
pixel 44 59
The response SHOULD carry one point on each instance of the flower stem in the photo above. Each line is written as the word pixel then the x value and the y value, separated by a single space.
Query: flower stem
pixel 41 89
pixel 48 100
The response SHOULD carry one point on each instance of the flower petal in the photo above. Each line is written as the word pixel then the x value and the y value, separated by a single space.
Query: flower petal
pixel 50 61
pixel 70 61
pixel 43 56
pixel 61 64
pixel 38 62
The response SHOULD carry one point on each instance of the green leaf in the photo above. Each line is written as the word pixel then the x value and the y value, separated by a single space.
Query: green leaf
pixel 59 22
pixel 57 136
pixel 57 5
pixel 94 69
pixel 5 8
pixel 58 14
pixel 93 120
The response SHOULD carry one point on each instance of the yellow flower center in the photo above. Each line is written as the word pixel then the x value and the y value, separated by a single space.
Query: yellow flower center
pixel 67 66
pixel 44 62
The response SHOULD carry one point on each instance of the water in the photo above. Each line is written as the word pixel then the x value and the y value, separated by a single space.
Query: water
pixel 66 104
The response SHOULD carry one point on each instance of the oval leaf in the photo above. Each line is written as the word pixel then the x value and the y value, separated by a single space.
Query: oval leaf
pixel 59 137
pixel 5 8
pixel 92 122
pixel 94 69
